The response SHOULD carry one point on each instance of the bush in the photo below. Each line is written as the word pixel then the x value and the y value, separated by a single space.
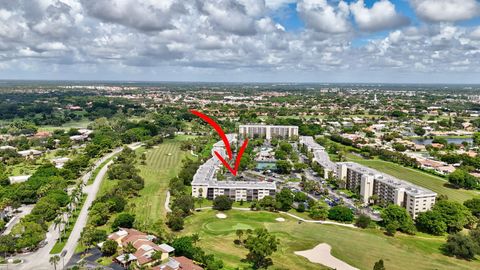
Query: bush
pixel 341 213
pixel 175 220
pixel 301 208
pixel 123 220
pixel 222 203
pixel 363 221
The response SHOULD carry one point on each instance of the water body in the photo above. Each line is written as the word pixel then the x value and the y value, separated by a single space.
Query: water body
pixel 449 140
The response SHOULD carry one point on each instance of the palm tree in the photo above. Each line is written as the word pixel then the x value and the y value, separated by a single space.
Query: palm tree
pixel 54 261
pixel 56 223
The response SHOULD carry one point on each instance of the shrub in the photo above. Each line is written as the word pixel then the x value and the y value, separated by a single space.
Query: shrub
pixel 222 203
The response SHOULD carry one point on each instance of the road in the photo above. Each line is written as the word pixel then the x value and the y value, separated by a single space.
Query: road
pixel 39 260
pixel 23 211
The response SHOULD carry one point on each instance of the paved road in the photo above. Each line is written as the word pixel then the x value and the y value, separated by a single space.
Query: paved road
pixel 39 260
pixel 24 210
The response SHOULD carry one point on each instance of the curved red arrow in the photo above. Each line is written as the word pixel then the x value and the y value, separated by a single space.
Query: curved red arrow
pixel 217 128
pixel 226 142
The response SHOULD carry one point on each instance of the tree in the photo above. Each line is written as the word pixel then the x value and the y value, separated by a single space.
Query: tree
pixel 123 220
pixel 222 203
pixel 398 216
pixel 283 166
pixel 341 213
pixel 431 222
pixel 186 203
pixel 363 221
pixel 284 199
pixel 300 197
pixel 379 265
pixel 319 211
pixel 461 178
pixel 260 245
pixel 419 131
pixel 474 206
pixel 455 215
pixel 461 246
pixel 54 261
pixel 175 220
pixel 109 247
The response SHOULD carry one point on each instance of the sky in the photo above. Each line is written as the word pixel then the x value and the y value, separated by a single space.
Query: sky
pixel 386 41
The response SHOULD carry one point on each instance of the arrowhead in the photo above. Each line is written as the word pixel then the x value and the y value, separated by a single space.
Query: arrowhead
pixel 237 160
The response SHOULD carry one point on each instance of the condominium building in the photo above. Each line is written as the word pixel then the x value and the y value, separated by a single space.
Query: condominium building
pixel 206 185
pixel 367 182
pixel 268 132
pixel 320 156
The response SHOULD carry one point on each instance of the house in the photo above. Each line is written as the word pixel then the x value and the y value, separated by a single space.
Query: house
pixel 31 153
pixel 60 162
pixel 8 147
pixel 42 135
pixel 178 263
pixel 143 244
pixel 18 179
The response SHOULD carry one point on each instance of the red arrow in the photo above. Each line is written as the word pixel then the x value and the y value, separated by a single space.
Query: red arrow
pixel 220 132
pixel 217 128
pixel 237 160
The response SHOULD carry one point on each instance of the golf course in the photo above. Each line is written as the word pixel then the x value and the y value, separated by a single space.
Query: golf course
pixel 358 247
pixel 163 162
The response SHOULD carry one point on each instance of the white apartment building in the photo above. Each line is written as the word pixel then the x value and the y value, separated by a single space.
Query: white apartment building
pixel 367 182
pixel 320 156
pixel 268 132
pixel 206 185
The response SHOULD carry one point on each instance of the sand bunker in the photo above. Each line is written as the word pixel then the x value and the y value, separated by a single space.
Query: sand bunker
pixel 321 254
pixel 221 215
pixel 280 219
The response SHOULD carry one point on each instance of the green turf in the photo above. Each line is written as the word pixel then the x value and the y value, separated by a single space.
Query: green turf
pixel 163 163
pixel 434 183
pixel 359 248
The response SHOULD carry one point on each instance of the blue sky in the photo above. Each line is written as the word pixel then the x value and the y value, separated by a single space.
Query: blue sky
pixel 405 41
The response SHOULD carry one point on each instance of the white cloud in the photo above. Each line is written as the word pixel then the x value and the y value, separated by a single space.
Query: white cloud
pixel 380 16
pixel 321 16
pixel 238 37
pixel 275 4
pixel 446 10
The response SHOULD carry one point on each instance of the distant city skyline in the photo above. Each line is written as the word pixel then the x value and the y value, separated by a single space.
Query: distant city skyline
pixel 313 41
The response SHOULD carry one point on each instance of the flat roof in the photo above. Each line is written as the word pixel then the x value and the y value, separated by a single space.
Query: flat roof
pixel 409 188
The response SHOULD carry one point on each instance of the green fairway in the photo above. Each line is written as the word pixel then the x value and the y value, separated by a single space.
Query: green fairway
pixel 163 162
pixel 417 177
pixel 359 248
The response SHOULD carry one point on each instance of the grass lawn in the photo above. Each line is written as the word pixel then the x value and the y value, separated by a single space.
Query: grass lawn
pixel 163 163
pixel 434 183
pixel 73 124
pixel 360 248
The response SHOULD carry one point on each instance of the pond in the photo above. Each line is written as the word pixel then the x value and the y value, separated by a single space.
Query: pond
pixel 449 140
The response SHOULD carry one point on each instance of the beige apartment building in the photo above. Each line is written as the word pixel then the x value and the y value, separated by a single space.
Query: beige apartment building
pixel 367 182
pixel 268 132
pixel 206 185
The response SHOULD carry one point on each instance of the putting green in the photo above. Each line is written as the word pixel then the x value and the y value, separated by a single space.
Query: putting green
pixel 227 226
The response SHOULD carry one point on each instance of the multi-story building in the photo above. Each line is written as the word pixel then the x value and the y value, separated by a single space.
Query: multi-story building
pixel 206 185
pixel 320 156
pixel 367 182
pixel 268 132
